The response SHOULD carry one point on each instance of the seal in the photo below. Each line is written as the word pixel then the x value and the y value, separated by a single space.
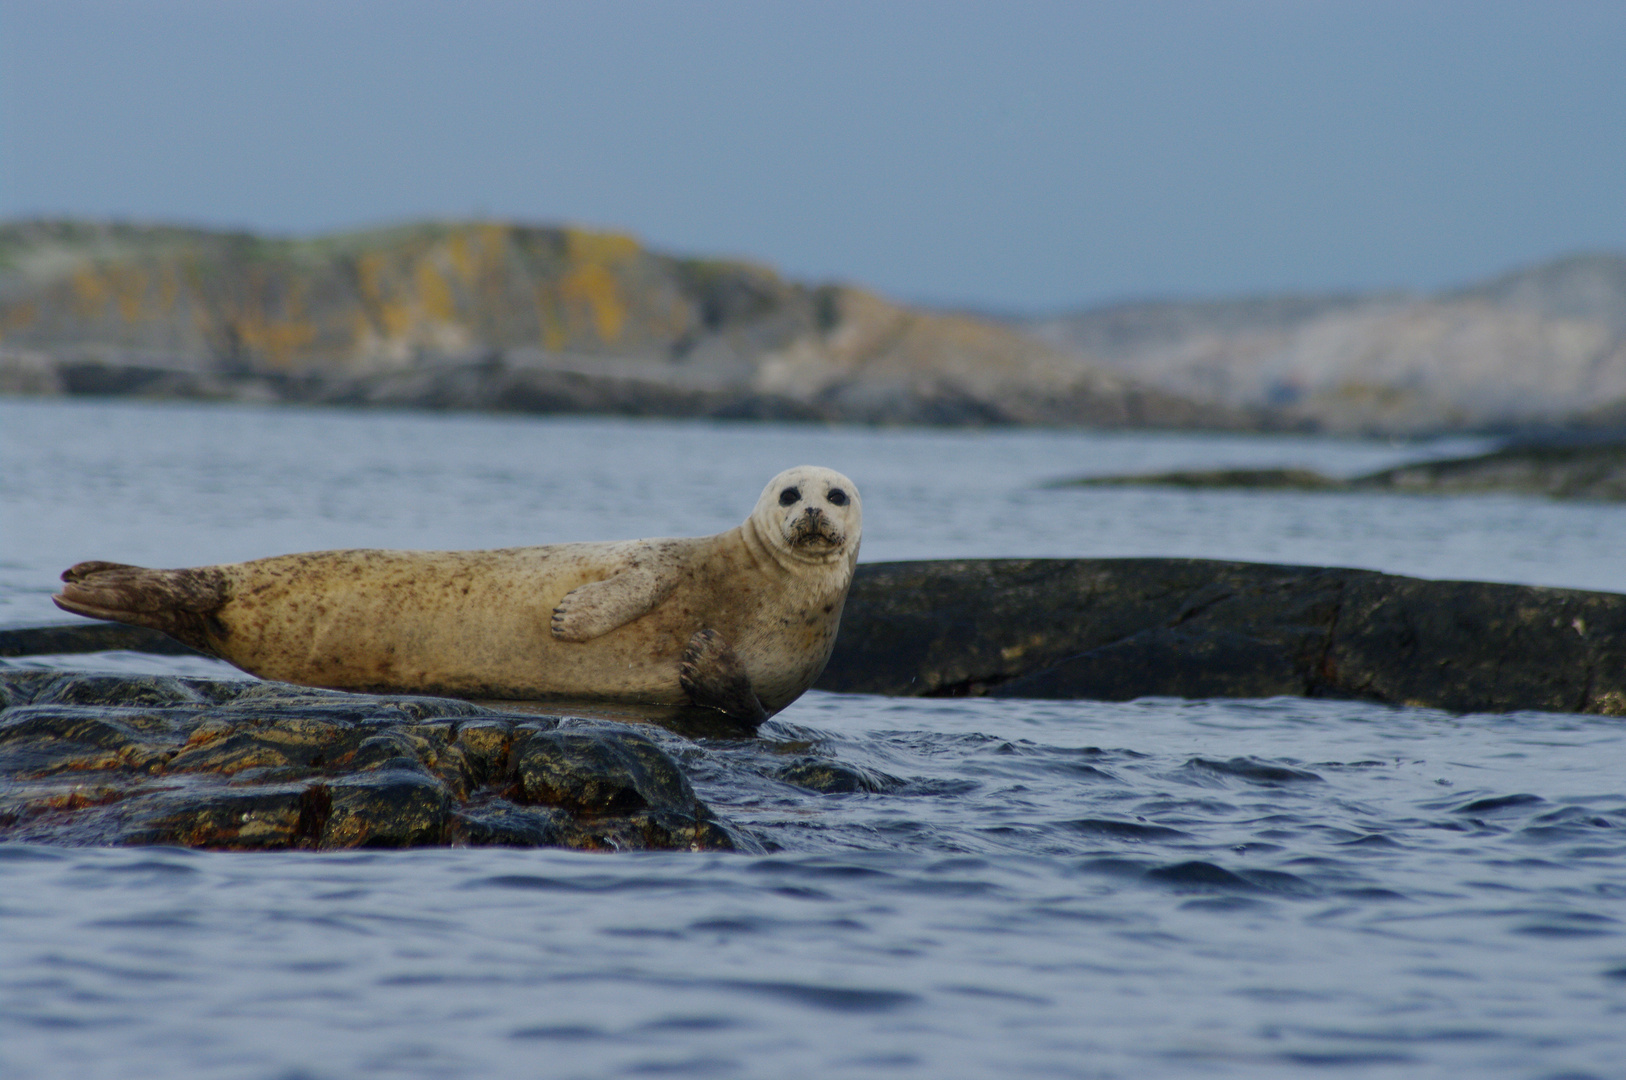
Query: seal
pixel 742 622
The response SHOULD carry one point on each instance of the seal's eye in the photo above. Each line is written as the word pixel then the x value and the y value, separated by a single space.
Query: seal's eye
pixel 837 497
pixel 788 496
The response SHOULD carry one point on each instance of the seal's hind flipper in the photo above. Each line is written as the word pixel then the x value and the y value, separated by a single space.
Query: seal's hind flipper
pixel 181 603
pixel 714 678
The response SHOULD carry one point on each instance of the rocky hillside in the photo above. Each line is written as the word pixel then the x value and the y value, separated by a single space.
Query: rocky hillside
pixel 492 315
pixel 1540 346
pixel 501 316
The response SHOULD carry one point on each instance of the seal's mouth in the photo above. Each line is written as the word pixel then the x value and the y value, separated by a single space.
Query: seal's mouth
pixel 815 532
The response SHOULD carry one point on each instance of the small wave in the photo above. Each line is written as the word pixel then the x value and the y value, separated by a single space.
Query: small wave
pixel 1499 802
pixel 1252 769
pixel 845 999
pixel 1124 830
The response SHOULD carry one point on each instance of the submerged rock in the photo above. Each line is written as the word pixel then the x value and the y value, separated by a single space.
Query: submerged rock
pixel 241 764
pixel 1222 479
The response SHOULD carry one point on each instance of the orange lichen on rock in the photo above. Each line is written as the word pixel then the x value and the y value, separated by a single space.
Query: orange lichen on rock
pixel 90 290
pixel 434 294
pixel 594 287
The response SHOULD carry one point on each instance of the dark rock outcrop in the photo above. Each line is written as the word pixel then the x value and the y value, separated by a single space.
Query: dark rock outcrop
pixel 1586 470
pixel 85 637
pixel 1115 629
pixel 1575 470
pixel 241 764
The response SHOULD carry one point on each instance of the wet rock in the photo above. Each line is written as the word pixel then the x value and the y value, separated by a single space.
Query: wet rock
pixel 91 759
pixel 88 637
pixel 503 824
pixel 268 816
pixel 1116 629
pixel 598 771
pixel 39 740
pixel 485 746
pixel 386 808
pixel 833 777
pixel 116 690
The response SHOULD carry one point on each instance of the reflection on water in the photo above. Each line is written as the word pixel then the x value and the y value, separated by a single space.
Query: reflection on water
pixel 986 888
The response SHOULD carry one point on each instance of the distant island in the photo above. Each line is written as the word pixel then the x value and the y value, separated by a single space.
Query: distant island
pixel 1539 348
pixel 1594 470
pixel 523 318
pixel 516 318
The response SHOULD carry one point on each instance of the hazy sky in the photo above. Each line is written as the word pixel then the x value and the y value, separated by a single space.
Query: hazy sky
pixel 1001 154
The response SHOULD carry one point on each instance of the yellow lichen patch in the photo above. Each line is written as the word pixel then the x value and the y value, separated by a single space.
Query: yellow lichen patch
pixel 394 318
pixel 547 312
pixel 603 248
pixel 169 288
pixel 397 319
pixel 129 290
pixel 369 277
pixel 16 318
pixel 462 260
pixel 1014 652
pixel 276 339
pixel 434 295
pixel 90 291
pixel 493 243
pixel 596 287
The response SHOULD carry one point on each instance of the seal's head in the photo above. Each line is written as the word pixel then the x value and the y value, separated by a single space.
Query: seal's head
pixel 813 514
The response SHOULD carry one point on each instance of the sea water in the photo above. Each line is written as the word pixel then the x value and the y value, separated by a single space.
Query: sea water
pixel 1158 888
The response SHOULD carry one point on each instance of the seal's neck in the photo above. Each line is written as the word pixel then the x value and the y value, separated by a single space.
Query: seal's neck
pixel 766 548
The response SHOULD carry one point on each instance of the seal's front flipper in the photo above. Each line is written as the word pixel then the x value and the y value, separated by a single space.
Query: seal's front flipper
pixel 714 678
pixel 598 607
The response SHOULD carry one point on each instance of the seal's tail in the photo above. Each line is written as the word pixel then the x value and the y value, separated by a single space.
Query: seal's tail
pixel 181 603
